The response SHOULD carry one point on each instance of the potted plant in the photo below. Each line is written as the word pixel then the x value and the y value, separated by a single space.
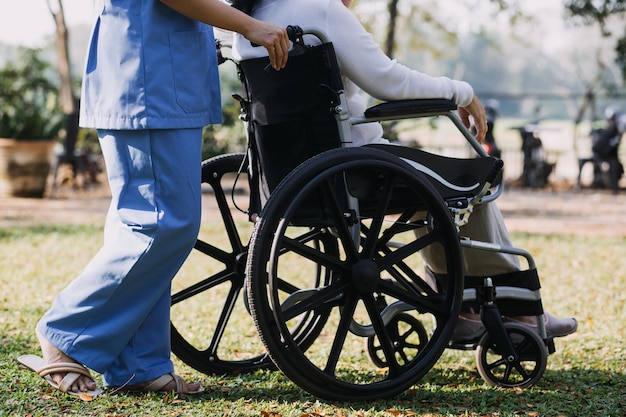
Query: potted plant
pixel 30 121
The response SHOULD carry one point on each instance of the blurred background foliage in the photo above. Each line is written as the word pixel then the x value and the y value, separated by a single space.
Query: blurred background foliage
pixel 499 46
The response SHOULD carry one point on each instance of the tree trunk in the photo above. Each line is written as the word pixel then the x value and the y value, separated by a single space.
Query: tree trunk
pixel 68 102
pixel 66 94
pixel 391 29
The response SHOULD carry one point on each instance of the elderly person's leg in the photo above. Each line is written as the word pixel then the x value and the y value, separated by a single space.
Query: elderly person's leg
pixel 487 224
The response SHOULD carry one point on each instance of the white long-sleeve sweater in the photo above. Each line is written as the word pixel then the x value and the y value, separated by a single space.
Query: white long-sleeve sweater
pixel 362 63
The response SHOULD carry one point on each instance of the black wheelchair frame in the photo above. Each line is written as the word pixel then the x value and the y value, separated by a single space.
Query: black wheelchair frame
pixel 329 264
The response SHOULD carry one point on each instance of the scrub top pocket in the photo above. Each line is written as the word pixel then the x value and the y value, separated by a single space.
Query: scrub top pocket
pixel 196 80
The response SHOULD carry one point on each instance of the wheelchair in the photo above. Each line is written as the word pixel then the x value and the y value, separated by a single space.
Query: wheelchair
pixel 326 262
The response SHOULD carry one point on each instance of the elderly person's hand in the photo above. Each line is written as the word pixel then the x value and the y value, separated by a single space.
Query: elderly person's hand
pixel 477 111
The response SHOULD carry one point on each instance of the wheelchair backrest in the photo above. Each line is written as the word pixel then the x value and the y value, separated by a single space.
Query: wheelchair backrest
pixel 290 113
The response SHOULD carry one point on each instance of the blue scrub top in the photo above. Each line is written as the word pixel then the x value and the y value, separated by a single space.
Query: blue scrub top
pixel 149 67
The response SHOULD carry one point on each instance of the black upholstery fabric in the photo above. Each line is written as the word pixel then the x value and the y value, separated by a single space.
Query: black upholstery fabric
pixel 291 117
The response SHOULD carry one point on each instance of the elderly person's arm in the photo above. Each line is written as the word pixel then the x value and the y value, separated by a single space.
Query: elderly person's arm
pixel 363 62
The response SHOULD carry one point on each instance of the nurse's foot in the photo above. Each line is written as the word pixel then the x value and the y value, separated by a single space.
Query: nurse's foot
pixel 165 383
pixel 52 355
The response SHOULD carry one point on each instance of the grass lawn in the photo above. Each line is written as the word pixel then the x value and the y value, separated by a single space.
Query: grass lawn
pixel 581 276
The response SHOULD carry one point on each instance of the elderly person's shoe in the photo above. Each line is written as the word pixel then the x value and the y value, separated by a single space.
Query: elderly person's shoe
pixel 555 327
pixel 467 329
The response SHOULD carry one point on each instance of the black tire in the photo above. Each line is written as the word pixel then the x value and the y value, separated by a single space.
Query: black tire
pixel 357 300
pixel 525 370
pixel 211 329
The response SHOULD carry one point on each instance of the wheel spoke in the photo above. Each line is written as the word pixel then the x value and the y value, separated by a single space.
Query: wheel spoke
pixel 496 364
pixel 406 335
pixel 347 313
pixel 406 275
pixel 521 370
pixel 384 337
pixel 371 239
pixel 227 309
pixel 435 303
pixel 304 300
pixel 507 372
pixel 204 285
pixel 405 251
pixel 341 225
pixel 213 252
pixel 226 215
pixel 410 279
pixel 311 253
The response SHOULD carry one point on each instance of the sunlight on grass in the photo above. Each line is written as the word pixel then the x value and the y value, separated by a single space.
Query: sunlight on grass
pixel 581 276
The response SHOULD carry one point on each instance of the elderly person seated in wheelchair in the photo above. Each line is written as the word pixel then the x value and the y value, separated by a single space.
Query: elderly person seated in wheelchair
pixel 364 66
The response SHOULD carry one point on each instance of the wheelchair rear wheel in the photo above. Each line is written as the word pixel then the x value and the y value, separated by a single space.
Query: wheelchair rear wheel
pixel 374 281
pixel 211 329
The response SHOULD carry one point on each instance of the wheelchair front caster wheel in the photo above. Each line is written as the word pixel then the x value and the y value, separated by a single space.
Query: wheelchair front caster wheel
pixel 525 370
pixel 408 336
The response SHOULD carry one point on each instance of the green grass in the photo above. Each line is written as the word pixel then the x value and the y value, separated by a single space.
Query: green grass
pixel 581 276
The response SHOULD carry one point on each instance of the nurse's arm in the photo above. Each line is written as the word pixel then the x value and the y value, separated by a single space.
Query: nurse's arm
pixel 215 13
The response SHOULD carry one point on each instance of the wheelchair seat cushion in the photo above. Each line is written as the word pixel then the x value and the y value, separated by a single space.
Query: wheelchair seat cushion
pixel 452 177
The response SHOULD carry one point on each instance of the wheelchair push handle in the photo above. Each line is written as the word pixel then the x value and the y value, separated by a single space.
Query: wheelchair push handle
pixel 295 34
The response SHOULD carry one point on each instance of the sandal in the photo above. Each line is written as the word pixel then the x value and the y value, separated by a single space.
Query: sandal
pixel 159 385
pixel 72 370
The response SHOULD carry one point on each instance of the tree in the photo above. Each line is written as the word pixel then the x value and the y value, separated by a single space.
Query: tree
pixel 423 11
pixel 66 94
pixel 67 99
pixel 392 8
pixel 606 14
pixel 601 12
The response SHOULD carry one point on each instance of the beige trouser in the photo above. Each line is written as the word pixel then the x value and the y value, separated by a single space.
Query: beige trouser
pixel 486 224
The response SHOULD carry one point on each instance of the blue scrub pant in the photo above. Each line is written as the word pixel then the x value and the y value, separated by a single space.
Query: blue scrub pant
pixel 114 317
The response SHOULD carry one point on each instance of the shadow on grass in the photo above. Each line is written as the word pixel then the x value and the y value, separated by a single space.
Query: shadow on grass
pixel 442 392
pixel 562 392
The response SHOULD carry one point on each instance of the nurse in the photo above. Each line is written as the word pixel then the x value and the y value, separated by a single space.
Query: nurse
pixel 150 85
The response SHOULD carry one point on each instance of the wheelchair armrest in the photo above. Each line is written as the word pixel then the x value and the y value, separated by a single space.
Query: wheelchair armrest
pixel 399 108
